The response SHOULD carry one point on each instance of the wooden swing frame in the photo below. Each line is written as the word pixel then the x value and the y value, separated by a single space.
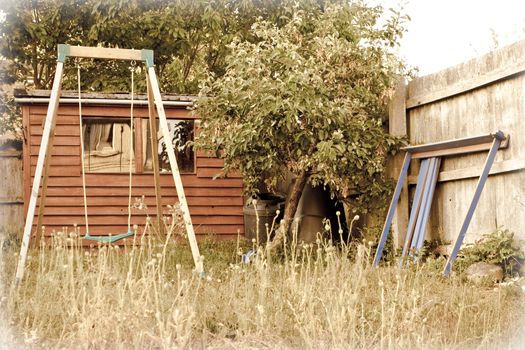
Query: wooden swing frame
pixel 155 109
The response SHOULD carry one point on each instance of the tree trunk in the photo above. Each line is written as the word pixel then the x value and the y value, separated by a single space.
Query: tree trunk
pixel 289 210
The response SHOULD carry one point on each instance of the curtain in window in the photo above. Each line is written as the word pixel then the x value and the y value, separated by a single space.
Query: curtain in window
pixel 106 146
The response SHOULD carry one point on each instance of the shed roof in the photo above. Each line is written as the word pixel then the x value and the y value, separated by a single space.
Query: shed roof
pixel 23 96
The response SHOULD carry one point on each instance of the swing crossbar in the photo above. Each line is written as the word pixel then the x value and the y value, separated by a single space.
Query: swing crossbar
pixel 109 238
pixel 65 51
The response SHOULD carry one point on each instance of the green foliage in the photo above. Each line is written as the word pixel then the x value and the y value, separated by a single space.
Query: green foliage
pixel 499 247
pixel 31 31
pixel 190 38
pixel 10 116
pixel 308 95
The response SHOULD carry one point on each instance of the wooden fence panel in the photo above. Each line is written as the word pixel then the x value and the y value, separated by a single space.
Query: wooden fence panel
pixel 474 98
pixel 11 191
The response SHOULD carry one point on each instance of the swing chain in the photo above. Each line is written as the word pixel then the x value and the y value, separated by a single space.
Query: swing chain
pixel 82 153
pixel 131 146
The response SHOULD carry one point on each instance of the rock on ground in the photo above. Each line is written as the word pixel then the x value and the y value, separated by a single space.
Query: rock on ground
pixel 481 272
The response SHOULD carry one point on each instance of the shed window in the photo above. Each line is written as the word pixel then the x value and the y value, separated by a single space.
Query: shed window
pixel 107 145
pixel 181 132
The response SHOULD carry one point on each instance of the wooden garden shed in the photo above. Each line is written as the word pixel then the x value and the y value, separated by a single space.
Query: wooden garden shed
pixel 215 204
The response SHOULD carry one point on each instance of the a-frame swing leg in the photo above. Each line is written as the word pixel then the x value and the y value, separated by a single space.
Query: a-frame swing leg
pixel 43 190
pixel 155 155
pixel 152 78
pixel 44 156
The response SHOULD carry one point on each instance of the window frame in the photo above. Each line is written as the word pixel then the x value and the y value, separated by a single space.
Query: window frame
pixel 194 172
pixel 138 142
pixel 113 119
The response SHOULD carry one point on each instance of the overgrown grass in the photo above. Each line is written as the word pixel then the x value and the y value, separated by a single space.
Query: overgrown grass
pixel 318 296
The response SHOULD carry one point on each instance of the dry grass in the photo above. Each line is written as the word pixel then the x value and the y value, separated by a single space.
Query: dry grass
pixel 317 297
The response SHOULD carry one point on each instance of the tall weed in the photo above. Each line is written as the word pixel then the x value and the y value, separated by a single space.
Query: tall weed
pixel 315 296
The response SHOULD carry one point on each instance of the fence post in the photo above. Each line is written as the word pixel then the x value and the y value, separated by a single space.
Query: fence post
pixel 398 127
pixel 11 188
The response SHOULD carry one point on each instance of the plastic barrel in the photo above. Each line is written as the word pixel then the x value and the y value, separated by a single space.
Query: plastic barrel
pixel 264 212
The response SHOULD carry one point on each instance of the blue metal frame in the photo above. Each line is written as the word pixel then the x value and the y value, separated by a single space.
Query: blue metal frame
pixel 427 203
pixel 498 137
pixel 392 208
pixel 424 203
pixel 416 204
pixel 426 184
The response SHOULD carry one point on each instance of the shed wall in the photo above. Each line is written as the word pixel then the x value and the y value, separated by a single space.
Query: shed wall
pixel 215 205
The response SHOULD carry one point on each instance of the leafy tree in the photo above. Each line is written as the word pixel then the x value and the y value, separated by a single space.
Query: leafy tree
pixel 31 31
pixel 308 97
pixel 9 116
pixel 190 38
pixel 10 121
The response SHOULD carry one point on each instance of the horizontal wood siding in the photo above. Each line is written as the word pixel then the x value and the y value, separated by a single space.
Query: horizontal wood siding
pixel 215 205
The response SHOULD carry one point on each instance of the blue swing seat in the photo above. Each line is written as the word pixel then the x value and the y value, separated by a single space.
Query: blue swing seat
pixel 108 239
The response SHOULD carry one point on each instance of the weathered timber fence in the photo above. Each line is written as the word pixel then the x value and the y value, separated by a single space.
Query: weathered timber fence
pixel 11 187
pixel 477 97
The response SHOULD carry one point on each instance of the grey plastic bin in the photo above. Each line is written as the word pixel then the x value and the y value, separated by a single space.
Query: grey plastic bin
pixel 265 210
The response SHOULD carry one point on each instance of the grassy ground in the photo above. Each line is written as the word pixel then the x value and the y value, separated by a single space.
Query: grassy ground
pixel 319 296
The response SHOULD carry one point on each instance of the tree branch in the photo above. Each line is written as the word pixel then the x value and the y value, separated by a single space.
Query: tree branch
pixel 289 212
